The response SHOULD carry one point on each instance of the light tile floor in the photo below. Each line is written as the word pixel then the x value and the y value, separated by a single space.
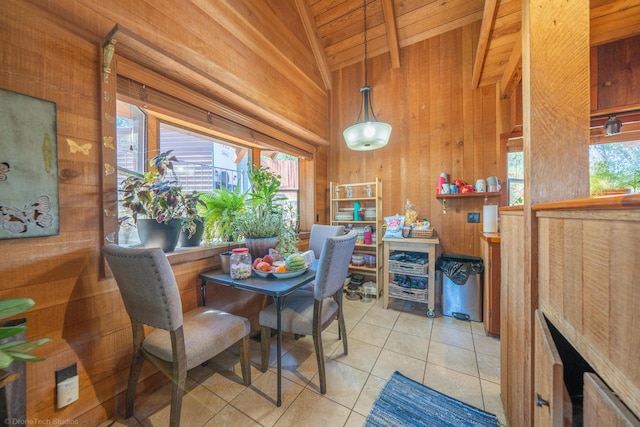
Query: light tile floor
pixel 452 356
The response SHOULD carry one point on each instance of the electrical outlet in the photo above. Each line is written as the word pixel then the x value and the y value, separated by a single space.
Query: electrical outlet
pixel 66 385
pixel 473 217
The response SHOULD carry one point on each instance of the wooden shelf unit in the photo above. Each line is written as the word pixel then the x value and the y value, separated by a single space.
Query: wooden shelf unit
pixel 368 195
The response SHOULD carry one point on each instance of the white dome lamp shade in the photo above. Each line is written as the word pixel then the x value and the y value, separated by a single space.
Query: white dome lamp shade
pixel 370 134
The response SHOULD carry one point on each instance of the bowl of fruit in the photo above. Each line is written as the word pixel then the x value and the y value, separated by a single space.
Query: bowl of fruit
pixel 294 265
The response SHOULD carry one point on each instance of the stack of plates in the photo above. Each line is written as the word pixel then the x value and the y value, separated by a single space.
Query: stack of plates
pixel 342 216
pixel 370 214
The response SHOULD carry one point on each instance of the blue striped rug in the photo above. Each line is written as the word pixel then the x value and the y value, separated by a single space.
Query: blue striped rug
pixel 405 402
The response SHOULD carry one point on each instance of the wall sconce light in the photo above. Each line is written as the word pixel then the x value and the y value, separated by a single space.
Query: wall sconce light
pixel 612 126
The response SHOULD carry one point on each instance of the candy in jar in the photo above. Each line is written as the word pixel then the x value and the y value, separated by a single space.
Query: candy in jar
pixel 240 264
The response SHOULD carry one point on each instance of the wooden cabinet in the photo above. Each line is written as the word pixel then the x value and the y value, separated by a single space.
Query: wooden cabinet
pixel 391 289
pixel 490 246
pixel 367 197
pixel 550 395
pixel 615 75
pixel 602 407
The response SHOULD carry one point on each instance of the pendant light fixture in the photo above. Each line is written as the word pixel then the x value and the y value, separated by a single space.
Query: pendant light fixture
pixel 370 134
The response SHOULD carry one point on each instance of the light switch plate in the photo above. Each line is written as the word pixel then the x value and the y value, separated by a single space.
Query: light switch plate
pixel 67 391
pixel 473 217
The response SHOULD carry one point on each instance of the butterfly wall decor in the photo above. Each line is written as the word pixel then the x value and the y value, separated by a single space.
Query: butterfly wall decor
pixel 74 147
pixel 29 174
pixel 16 220
pixel 4 169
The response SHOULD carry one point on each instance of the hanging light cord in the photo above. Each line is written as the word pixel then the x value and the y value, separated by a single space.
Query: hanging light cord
pixel 366 80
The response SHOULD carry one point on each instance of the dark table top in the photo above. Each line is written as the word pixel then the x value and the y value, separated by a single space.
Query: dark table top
pixel 264 285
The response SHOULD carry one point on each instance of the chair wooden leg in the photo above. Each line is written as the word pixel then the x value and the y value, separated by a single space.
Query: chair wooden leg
pixel 245 361
pixel 134 374
pixel 342 328
pixel 265 346
pixel 317 342
pixel 177 392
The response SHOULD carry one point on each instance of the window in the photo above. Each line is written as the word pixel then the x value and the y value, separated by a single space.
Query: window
pixel 131 126
pixel 205 163
pixel 614 167
pixel 287 166
pixel 515 177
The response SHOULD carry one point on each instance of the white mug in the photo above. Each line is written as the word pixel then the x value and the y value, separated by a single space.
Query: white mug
pixel 481 186
pixel 445 189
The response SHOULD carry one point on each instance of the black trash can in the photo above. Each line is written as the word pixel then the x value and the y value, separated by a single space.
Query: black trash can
pixel 461 286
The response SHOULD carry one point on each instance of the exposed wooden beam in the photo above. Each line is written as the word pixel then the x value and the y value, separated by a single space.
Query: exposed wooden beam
pixel 310 27
pixel 488 18
pixel 392 32
pixel 512 71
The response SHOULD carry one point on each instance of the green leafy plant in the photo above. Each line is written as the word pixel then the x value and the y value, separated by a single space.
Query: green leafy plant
pixel 157 195
pixel 18 349
pixel 266 215
pixel 219 210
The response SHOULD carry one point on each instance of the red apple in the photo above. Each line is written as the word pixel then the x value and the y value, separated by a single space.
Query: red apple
pixel 268 259
pixel 256 262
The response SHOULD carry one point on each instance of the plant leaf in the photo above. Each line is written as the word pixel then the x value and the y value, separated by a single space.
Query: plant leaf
pixel 5 360
pixel 9 331
pixel 11 307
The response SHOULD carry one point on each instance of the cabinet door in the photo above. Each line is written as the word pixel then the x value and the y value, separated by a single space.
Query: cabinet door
pixel 548 385
pixel 619 73
pixel 602 407
pixel 491 256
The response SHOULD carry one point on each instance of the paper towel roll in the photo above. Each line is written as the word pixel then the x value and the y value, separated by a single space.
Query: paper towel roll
pixel 490 218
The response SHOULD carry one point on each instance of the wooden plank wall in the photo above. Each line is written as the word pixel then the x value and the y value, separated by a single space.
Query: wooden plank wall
pixel 440 124
pixel 588 272
pixel 51 51
pixel 514 334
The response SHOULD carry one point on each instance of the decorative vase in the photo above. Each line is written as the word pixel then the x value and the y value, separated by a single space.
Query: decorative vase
pixel 154 234
pixel 185 241
pixel 259 247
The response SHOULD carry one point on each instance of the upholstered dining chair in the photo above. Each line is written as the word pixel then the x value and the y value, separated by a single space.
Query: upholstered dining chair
pixel 307 313
pixel 319 233
pixel 179 341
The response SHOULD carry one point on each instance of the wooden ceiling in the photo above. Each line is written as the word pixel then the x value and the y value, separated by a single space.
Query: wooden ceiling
pixel 335 30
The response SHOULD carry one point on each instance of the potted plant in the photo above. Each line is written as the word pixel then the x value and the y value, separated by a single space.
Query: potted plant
pixel 14 348
pixel 266 222
pixel 160 200
pixel 219 210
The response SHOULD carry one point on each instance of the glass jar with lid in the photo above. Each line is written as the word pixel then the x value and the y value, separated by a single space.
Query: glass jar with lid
pixel 240 264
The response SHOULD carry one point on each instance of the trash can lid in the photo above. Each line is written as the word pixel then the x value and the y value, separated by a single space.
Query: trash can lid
pixel 460 258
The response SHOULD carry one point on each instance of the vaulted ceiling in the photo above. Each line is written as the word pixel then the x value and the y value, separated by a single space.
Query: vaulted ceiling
pixel 335 30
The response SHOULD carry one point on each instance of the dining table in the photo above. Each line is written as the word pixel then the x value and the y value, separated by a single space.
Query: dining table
pixel 276 287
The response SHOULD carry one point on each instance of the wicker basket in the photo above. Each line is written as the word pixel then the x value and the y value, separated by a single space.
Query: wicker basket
pixel 411 294
pixel 423 234
pixel 400 267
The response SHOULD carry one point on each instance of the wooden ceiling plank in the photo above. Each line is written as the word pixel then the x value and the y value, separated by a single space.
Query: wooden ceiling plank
pixel 488 20
pixel 440 29
pixel 512 71
pixel 608 27
pixel 254 39
pixel 309 23
pixel 392 32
